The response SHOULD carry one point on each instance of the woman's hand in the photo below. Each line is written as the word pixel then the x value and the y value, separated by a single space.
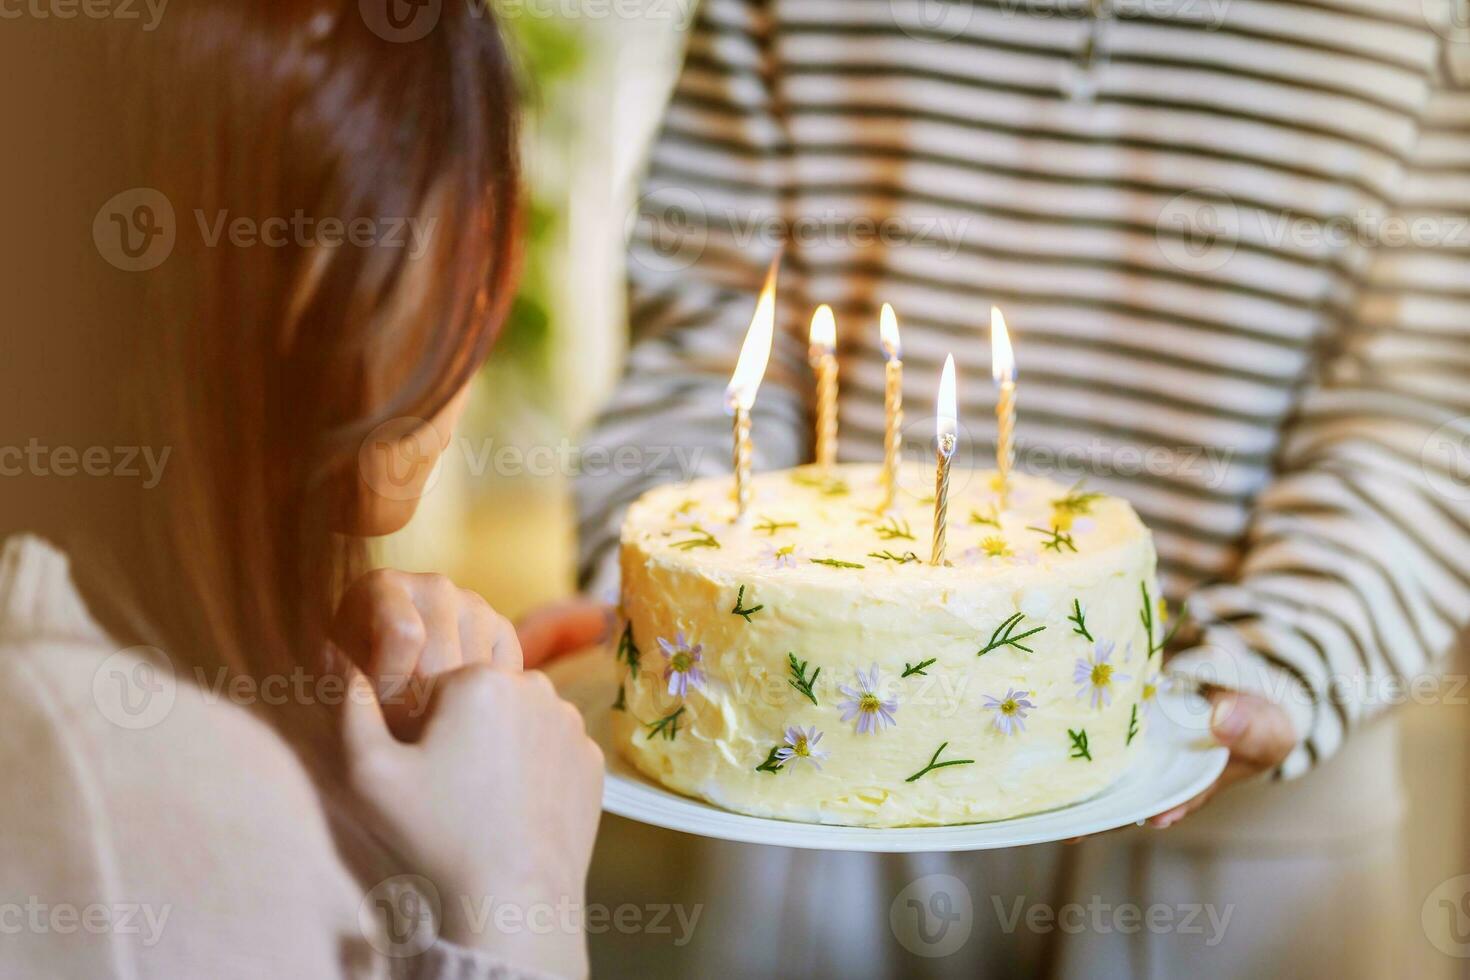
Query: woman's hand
pixel 563 627
pixel 1259 735
pixel 402 629
pixel 497 802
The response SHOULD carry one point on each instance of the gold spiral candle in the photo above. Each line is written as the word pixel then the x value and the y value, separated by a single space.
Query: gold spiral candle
pixel 755 354
pixel 1005 450
pixel 1003 369
pixel 941 498
pixel 946 435
pixel 892 403
pixel 742 462
pixel 823 340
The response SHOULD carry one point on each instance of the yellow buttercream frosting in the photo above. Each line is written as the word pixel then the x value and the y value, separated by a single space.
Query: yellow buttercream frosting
pixel 747 642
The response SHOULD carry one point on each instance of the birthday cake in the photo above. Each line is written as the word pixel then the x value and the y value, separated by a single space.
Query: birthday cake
pixel 809 663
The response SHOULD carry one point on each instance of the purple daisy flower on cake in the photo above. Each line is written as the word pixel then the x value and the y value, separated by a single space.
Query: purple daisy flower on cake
pixel 1095 676
pixel 864 702
pixel 1010 711
pixel 683 664
pixel 801 746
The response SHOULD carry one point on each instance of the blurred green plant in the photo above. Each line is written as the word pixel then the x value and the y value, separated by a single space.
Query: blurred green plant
pixel 549 52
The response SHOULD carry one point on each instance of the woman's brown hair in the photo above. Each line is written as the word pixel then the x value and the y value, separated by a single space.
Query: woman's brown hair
pixel 272 338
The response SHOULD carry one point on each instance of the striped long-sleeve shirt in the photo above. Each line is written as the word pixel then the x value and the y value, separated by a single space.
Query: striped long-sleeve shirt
pixel 1232 240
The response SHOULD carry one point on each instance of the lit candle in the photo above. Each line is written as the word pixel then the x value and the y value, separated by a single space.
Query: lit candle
pixel 823 341
pixel 1003 369
pixel 755 353
pixel 947 428
pixel 892 402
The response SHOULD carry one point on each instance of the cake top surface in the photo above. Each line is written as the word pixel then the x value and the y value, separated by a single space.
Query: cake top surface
pixel 819 528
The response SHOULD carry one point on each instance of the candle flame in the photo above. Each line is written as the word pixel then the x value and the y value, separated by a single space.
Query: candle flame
pixel 755 353
pixel 947 424
pixel 824 329
pixel 1002 357
pixel 888 330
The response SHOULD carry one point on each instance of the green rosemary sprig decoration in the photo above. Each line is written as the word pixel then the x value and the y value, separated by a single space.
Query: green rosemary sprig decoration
pixel 1132 725
pixel 909 670
pixel 772 764
pixel 702 539
pixel 835 563
pixel 1147 616
pixel 988 519
pixel 1079 744
pixel 799 680
pixel 1056 539
pixel 934 763
pixel 744 614
pixel 621 704
pixel 1077 503
pixel 769 527
pixel 1081 622
pixel 667 726
pixel 907 558
pixel 1005 635
pixel 894 528
pixel 628 651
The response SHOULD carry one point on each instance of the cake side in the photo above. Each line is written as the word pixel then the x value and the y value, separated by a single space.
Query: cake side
pixel 809 665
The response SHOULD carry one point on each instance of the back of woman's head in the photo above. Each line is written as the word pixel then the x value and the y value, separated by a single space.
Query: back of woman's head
pixel 250 236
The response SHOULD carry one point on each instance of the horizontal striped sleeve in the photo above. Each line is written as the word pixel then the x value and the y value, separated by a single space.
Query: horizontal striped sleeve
pixel 696 259
pixel 1356 575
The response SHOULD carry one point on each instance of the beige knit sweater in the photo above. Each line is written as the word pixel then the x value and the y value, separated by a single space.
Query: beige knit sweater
pixel 152 828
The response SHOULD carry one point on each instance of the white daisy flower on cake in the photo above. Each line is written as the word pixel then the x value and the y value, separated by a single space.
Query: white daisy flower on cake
pixel 872 711
pixel 1153 685
pixel 784 556
pixel 801 746
pixel 683 664
pixel 1095 677
pixel 1010 711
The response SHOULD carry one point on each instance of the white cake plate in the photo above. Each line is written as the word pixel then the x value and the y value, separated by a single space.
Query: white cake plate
pixel 1180 762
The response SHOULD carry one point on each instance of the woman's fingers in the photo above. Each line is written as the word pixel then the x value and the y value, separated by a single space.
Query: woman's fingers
pixel 365 731
pixel 487 637
pixel 403 630
pixel 439 602
pixel 1257 732
pixel 379 628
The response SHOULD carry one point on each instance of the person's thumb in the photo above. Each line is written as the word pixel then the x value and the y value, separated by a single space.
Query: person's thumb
pixel 364 729
pixel 1255 730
